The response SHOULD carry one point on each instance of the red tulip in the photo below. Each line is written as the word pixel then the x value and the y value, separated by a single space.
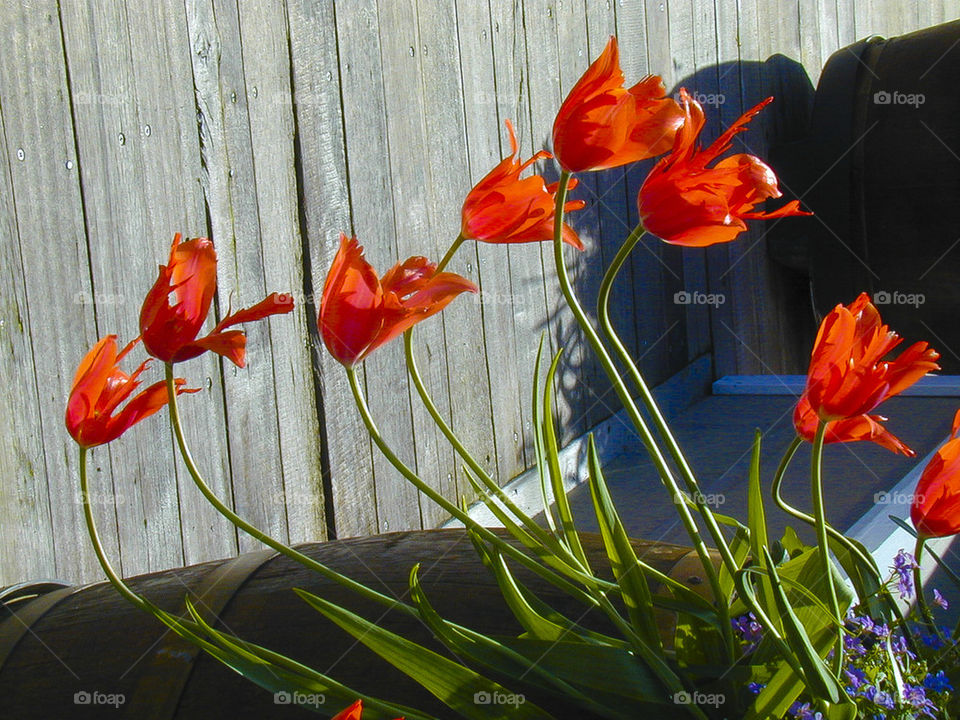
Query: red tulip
pixel 502 208
pixel 360 312
pixel 170 330
pixel 860 427
pixel 603 125
pixel 848 375
pixel 354 712
pixel 100 386
pixel 684 202
pixel 935 511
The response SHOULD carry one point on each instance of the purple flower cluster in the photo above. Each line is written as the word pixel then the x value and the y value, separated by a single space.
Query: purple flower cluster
pixel 750 631
pixel 903 566
pixel 804 712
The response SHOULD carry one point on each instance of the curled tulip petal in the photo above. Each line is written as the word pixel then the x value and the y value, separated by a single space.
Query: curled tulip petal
pixel 935 510
pixel 359 312
pixel 178 303
pixel 502 208
pixel 602 124
pixel 684 202
pixel 848 374
pixel 100 387
pixel 853 429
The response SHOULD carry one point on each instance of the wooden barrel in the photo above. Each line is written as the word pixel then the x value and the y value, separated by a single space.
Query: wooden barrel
pixel 881 171
pixel 84 652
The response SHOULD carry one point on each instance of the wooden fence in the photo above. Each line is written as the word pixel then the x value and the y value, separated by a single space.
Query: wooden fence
pixel 272 127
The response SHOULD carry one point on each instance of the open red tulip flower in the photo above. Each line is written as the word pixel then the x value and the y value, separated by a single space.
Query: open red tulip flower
pixel 100 387
pixel 684 202
pixel 177 306
pixel 359 312
pixel 848 374
pixel 853 429
pixel 502 208
pixel 935 510
pixel 604 125
pixel 354 712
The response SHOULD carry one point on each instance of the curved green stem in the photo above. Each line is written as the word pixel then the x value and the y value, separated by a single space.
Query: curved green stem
pixel 451 251
pixel 865 561
pixel 600 600
pixel 112 575
pixel 816 490
pixel 533 528
pixel 922 606
pixel 638 422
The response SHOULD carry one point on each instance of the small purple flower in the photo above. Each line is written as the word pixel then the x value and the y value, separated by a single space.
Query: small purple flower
pixel 756 687
pixel 903 566
pixel 900 646
pixel 804 712
pixel 854 646
pixel 940 600
pixel 938 683
pixel 749 629
pixel 877 697
pixel 855 676
pixel 916 696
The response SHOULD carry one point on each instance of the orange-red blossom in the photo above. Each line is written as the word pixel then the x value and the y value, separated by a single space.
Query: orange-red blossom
pixel 602 124
pixel 170 329
pixel 502 208
pixel 849 375
pixel 935 510
pixel 99 387
pixel 359 312
pixel 354 712
pixel 684 202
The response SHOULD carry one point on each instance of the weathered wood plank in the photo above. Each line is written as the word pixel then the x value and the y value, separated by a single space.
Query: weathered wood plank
pixel 448 183
pixel 230 188
pixel 168 142
pixel 325 212
pixel 371 187
pixel 41 155
pixel 523 273
pixel 123 259
pixel 266 66
pixel 484 129
pixel 27 547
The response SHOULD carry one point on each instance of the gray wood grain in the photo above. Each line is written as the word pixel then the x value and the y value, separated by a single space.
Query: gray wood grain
pixel 325 212
pixel 42 160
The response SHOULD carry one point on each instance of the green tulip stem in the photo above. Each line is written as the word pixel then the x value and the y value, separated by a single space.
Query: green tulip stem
pixel 639 424
pixel 603 315
pixel 816 491
pixel 451 251
pixel 865 561
pixel 600 600
pixel 922 605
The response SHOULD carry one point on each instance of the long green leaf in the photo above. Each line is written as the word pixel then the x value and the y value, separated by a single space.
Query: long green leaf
pixel 739 549
pixel 457 686
pixel 757 522
pixel 543 471
pixel 623 560
pixel 567 526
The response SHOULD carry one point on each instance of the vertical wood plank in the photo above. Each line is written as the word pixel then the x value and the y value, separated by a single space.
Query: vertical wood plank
pixel 25 516
pixel 266 66
pixel 325 212
pixel 123 258
pixel 230 186
pixel 497 303
pixel 41 155
pixel 167 139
